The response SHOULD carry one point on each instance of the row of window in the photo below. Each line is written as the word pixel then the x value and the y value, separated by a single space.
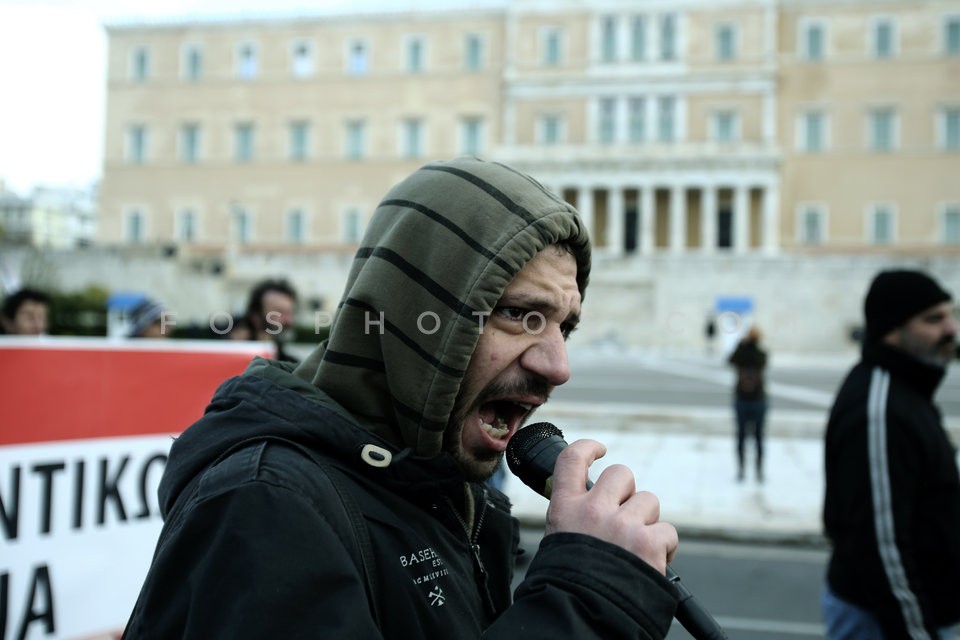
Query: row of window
pixel 412 140
pixel 882 129
pixel 632 120
pixel 187 226
pixel 881 224
pixel 633 38
pixel 883 37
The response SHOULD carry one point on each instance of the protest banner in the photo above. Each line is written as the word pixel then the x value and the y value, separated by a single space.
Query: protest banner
pixel 85 428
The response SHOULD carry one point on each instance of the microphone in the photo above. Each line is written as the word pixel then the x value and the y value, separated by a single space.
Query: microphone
pixel 531 455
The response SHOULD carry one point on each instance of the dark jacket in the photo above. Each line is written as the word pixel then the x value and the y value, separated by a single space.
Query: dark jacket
pixel 259 540
pixel 892 503
pixel 750 361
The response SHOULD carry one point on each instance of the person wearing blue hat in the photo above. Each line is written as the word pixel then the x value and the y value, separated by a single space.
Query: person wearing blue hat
pixel 892 501
pixel 146 321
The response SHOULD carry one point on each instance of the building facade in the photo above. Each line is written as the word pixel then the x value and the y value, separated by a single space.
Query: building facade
pixel 741 126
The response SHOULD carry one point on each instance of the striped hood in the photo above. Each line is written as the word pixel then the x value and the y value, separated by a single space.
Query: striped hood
pixel 439 251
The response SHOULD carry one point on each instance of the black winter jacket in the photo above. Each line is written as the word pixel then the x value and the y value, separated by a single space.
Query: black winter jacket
pixel 256 473
pixel 892 503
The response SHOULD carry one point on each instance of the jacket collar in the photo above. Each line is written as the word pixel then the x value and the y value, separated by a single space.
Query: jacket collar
pixel 916 374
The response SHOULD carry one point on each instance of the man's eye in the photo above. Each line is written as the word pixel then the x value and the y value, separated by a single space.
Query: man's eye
pixel 567 328
pixel 513 313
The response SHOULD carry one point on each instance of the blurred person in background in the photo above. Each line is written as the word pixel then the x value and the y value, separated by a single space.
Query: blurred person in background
pixel 749 398
pixel 147 321
pixel 25 313
pixel 270 314
pixel 892 503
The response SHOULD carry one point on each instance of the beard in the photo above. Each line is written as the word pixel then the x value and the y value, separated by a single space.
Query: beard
pixel 939 354
pixel 480 467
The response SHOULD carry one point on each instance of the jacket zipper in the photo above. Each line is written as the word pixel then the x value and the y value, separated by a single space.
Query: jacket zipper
pixel 480 571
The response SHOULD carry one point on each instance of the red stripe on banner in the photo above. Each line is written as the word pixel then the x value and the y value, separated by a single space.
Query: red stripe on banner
pixel 68 394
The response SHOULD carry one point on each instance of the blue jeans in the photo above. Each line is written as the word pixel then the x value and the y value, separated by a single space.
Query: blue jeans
pixel 845 621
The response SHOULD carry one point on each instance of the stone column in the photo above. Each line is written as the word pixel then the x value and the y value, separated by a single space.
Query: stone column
pixel 615 221
pixel 741 219
pixel 585 205
pixel 708 218
pixel 648 220
pixel 678 219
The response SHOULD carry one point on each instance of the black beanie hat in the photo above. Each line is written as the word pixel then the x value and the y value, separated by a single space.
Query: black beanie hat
pixel 895 297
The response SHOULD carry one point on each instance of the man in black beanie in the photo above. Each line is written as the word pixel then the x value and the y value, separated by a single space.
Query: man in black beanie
pixel 892 502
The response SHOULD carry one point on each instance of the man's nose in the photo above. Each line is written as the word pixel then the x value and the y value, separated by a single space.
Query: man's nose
pixel 547 356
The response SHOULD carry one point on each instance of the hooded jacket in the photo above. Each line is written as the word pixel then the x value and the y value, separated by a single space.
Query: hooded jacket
pixel 892 502
pixel 269 497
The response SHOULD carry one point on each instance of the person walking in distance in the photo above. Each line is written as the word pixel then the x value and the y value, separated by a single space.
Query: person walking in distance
pixel 749 398
pixel 892 496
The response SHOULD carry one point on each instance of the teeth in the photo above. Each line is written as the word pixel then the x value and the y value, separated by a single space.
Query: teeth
pixel 498 430
pixel 525 406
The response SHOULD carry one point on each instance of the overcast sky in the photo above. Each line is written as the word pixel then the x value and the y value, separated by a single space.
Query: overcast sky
pixel 53 76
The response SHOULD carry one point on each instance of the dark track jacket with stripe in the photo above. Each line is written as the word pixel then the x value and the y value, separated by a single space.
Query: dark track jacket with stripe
pixel 268 498
pixel 892 502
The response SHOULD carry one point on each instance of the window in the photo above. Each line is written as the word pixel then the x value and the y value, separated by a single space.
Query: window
pixel 296 226
pixel 883 38
pixel 190 142
pixel 473 52
pixel 301 61
pixel 948 129
pixel 243 142
pixel 355 139
pixel 135 226
pixel 607 121
pixel 357 59
pixel 550 129
pixel 666 118
pixel 811 132
pixel 637 119
pixel 882 125
pixel 726 126
pixel 552 40
pixel 812 40
pixel 638 39
pixel 187 225
pixel 415 55
pixel 471 136
pixel 137 144
pixel 811 224
pixel 411 138
pixel 247 64
pixel 725 38
pixel 668 37
pixel 140 64
pixel 608 39
pixel 193 62
pixel 242 225
pixel 951 36
pixel 881 224
pixel 951 224
pixel 299 140
pixel 352 229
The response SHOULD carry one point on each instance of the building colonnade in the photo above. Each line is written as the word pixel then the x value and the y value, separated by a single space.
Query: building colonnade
pixel 677 216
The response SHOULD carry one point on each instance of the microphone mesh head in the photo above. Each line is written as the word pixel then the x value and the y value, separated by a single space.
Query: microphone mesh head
pixel 527 438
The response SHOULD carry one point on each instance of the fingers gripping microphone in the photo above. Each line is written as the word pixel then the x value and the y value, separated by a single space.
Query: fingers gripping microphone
pixel 532 454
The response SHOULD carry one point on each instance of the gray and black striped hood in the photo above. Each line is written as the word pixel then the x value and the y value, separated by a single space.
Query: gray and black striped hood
pixel 440 249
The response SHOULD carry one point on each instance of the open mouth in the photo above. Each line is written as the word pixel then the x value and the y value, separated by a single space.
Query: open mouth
pixel 500 418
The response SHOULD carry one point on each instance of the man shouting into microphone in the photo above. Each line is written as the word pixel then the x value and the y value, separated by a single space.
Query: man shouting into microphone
pixel 344 497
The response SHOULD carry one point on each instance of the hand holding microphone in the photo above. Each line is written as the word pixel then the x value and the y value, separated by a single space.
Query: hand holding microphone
pixel 610 511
